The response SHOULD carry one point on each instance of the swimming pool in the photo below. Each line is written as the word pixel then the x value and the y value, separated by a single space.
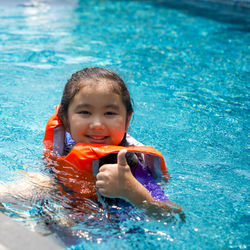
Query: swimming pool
pixel 189 78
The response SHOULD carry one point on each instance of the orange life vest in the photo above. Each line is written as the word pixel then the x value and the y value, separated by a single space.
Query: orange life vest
pixel 77 170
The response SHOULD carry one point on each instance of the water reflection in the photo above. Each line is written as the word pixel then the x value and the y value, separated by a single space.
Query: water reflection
pixel 51 211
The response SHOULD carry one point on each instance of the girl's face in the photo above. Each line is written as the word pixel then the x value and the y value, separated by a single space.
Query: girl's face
pixel 97 115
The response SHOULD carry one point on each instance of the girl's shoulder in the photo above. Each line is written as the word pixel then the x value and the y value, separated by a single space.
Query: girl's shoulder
pixel 131 141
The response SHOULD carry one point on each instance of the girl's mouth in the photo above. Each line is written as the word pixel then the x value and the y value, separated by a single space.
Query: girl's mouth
pixel 97 139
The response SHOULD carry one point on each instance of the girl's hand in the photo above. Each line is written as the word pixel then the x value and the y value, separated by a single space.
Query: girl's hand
pixel 116 180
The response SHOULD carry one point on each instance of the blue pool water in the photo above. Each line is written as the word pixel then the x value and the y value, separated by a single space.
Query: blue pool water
pixel 189 79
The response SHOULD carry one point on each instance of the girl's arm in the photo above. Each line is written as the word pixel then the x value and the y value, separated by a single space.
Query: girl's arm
pixel 117 181
pixel 33 186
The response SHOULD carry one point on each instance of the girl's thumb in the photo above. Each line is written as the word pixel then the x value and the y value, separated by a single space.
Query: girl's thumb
pixel 121 159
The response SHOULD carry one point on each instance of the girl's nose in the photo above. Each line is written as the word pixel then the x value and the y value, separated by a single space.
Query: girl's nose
pixel 96 123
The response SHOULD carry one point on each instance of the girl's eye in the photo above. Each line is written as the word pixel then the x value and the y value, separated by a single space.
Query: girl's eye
pixel 110 113
pixel 84 112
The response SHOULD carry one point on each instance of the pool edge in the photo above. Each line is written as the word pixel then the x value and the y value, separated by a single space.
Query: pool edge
pixel 16 236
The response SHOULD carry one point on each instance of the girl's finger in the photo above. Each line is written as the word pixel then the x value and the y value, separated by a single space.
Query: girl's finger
pixel 121 159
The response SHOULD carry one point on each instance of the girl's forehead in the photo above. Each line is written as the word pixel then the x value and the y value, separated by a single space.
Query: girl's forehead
pixel 99 90
pixel 98 96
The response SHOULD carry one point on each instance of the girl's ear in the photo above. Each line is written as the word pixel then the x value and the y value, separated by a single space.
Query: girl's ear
pixel 65 123
pixel 127 122
pixel 63 118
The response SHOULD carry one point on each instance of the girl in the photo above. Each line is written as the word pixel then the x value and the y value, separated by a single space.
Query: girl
pixel 96 109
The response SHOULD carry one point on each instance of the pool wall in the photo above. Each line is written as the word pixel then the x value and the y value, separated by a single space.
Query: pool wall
pixel 236 11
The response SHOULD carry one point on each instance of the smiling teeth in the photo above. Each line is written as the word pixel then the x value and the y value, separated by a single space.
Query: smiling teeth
pixel 97 138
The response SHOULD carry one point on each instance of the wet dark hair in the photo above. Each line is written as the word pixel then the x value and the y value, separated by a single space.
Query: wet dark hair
pixel 96 74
